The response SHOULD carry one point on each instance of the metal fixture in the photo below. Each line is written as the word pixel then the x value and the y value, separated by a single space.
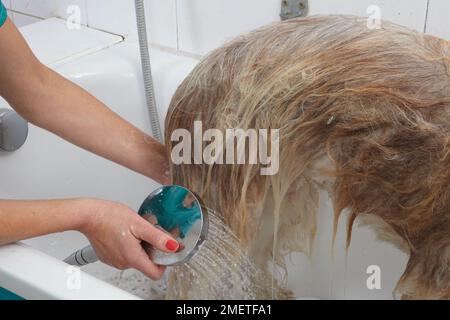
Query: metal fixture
pixel 293 9
pixel 147 71
pixel 13 130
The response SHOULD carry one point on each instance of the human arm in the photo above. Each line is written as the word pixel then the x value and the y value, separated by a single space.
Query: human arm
pixel 49 101
pixel 114 230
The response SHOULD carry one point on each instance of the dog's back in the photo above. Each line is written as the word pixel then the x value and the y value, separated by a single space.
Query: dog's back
pixel 373 103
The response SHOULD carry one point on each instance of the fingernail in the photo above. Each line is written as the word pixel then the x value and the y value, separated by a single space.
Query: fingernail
pixel 172 245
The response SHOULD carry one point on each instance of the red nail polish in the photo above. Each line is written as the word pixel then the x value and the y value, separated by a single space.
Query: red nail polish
pixel 172 245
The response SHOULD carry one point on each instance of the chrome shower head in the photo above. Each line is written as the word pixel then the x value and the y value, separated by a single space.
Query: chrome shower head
pixel 181 212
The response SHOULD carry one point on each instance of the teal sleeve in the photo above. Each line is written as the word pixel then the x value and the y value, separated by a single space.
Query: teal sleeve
pixel 3 14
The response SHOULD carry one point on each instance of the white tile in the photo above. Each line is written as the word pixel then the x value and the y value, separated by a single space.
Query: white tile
pixel 50 8
pixel 161 17
pixel 410 13
pixel 116 16
pixel 21 20
pixel 438 23
pixel 119 16
pixel 206 24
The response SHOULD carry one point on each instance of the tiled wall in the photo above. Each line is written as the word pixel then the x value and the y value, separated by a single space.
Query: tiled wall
pixel 438 22
pixel 197 26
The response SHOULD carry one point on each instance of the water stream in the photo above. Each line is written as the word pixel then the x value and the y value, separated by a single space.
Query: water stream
pixel 220 270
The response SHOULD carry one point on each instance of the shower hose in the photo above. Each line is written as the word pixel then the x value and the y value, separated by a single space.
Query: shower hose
pixel 147 71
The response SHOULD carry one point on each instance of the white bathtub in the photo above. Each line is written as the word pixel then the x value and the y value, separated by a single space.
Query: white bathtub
pixel 47 167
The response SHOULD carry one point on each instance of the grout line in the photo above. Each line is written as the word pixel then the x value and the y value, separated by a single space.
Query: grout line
pixel 176 51
pixel 425 27
pixel 87 13
pixel 26 14
pixel 106 31
pixel 177 25
pixel 191 55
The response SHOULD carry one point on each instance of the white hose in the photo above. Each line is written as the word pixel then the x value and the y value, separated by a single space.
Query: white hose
pixel 147 71
pixel 82 257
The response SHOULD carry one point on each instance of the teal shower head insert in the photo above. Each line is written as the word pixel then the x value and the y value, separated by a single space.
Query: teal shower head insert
pixel 181 212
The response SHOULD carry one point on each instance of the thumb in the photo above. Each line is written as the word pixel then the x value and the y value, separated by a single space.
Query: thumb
pixel 157 238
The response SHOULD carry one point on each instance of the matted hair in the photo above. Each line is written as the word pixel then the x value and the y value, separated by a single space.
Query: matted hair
pixel 363 113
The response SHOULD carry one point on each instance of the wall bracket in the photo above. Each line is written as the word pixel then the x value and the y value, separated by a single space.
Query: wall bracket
pixel 293 9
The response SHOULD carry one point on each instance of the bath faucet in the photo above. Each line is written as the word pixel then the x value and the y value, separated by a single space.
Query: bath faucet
pixel 13 130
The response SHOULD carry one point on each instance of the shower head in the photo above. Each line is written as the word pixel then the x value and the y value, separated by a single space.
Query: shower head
pixel 182 213
pixel 174 209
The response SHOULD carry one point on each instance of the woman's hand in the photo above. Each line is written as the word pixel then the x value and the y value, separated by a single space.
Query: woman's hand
pixel 116 232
